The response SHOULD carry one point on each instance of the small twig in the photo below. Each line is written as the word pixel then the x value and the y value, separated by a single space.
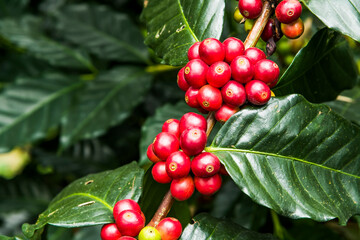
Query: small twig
pixel 163 210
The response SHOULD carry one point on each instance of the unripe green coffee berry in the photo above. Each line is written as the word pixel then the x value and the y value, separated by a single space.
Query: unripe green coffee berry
pixel 249 23
pixel 237 15
pixel 149 233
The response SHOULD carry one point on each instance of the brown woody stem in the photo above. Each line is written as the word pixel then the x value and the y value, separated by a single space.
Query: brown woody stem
pixel 251 40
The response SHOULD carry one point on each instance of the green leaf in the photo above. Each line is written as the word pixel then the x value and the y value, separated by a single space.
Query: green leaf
pixel 153 125
pixel 89 200
pixel 321 70
pixel 343 16
pixel 207 227
pixel 174 25
pixel 105 102
pixel 27 34
pixel 13 8
pixel 30 107
pixel 298 158
pixel 103 32
pixel 348 104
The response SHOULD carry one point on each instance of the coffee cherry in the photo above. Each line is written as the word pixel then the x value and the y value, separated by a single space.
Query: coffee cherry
pixel 191 97
pixel 182 188
pixel 193 52
pixel 209 98
pixel 218 74
pixel 225 112
pixel 250 8
pixel 172 126
pixel 149 233
pixel 257 92
pixel 288 11
pixel 127 238
pixel 178 165
pixel 193 141
pixel 266 71
pixel 151 155
pixel 249 23
pixel 125 204
pixel 165 144
pixel 233 93
pixel 205 165
pixel 211 50
pixel 169 228
pixel 130 223
pixel 203 111
pixel 293 30
pixel 110 232
pixel 233 47
pixel 181 82
pixel 241 69
pixel 192 120
pixel 195 73
pixel 254 55
pixel 268 30
pixel 209 185
pixel 237 16
pixel 159 173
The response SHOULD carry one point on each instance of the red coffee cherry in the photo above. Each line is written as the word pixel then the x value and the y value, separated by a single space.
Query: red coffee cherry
pixel 192 120
pixel 250 8
pixel 159 173
pixel 110 232
pixel 223 171
pixel 233 93
pixel 233 47
pixel 268 30
pixel 193 141
pixel 257 92
pixel 203 111
pixel 172 126
pixel 165 144
pixel 205 165
pixel 181 82
pixel 254 55
pixel 211 50
pixel 195 73
pixel 293 30
pixel 218 74
pixel 169 228
pixel 151 155
pixel 209 185
pixel 266 71
pixel 241 69
pixel 182 188
pixel 178 165
pixel 288 11
pixel 127 238
pixel 191 97
pixel 130 223
pixel 193 52
pixel 125 204
pixel 225 112
pixel 209 98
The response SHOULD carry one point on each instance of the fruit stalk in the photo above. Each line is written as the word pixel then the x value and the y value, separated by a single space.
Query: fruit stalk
pixel 251 40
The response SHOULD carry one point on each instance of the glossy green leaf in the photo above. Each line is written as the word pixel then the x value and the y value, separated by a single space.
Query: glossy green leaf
pixel 300 159
pixel 340 15
pixel 105 102
pixel 153 125
pixel 174 25
pixel 206 227
pixel 347 104
pixel 321 70
pixel 107 34
pixel 26 33
pixel 89 200
pixel 30 107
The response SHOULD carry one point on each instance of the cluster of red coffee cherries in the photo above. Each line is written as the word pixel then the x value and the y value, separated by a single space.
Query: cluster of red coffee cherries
pixel 221 77
pixel 287 13
pixel 175 166
pixel 130 222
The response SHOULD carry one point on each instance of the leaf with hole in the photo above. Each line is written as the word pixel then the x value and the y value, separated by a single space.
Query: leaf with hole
pixel 89 200
pixel 298 158
pixel 174 25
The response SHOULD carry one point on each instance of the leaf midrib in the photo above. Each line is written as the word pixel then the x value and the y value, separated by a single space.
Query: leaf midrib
pixel 218 149
pixel 186 22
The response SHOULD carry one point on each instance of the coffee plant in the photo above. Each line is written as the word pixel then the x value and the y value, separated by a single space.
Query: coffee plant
pixel 179 119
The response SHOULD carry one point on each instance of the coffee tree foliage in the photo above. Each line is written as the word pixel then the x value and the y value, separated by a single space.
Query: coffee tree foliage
pixel 86 86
